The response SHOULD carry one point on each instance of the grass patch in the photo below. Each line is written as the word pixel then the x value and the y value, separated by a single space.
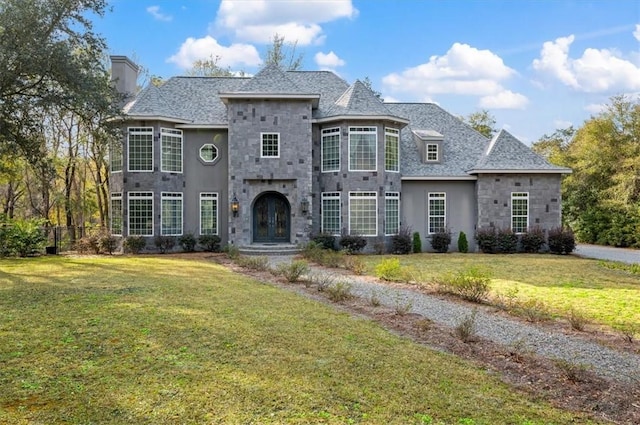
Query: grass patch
pixel 604 295
pixel 175 340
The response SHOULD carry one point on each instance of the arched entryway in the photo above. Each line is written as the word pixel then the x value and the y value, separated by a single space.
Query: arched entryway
pixel 271 218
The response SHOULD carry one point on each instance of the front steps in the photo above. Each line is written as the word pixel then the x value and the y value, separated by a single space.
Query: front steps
pixel 269 249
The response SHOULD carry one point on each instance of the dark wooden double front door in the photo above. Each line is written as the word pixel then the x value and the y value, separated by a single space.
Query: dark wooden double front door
pixel 271 219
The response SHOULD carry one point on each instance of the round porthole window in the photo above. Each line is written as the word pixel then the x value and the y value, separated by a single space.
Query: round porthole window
pixel 208 152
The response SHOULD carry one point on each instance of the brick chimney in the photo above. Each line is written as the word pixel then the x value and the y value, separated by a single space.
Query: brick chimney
pixel 124 73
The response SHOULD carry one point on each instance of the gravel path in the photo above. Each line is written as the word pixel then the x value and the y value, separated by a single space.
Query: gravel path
pixel 606 362
pixel 624 255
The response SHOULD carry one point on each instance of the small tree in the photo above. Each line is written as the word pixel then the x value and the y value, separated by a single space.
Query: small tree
pixel 417 242
pixel 463 244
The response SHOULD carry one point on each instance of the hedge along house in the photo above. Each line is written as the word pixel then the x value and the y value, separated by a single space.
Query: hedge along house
pixel 272 159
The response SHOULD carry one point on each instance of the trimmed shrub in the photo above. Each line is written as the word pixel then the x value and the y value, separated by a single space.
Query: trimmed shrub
pixel 487 240
pixel 108 243
pixel 134 244
pixel 389 269
pixel 463 244
pixel 440 241
pixel 210 243
pixel 417 242
pixel 164 243
pixel 353 243
pixel 533 240
pixel 401 243
pixel 561 241
pixel 325 240
pixel 507 241
pixel 187 242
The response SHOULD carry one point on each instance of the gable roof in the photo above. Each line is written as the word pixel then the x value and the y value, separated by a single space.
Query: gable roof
pixel 359 101
pixel 505 153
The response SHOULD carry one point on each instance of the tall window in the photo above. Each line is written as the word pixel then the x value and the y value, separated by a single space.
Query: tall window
pixel 140 213
pixel 208 213
pixel 363 213
pixel 140 148
pixel 270 145
pixel 391 213
pixel 116 214
pixel 363 154
pixel 171 215
pixel 391 149
pixel 432 152
pixel 115 156
pixel 437 212
pixel 330 149
pixel 171 142
pixel 519 211
pixel 331 213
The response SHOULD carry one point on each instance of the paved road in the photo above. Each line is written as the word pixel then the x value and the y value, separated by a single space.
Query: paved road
pixel 624 255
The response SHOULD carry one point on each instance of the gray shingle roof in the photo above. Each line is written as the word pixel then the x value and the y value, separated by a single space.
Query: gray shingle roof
pixel 271 79
pixel 358 100
pixel 505 152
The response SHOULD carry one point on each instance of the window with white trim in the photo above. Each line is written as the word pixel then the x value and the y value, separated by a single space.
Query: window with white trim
pixel 391 149
pixel 208 213
pixel 363 152
pixel 391 213
pixel 432 152
pixel 171 214
pixel 208 152
pixel 171 150
pixel 363 213
pixel 116 214
pixel 519 212
pixel 330 149
pixel 331 213
pixel 270 147
pixel 437 212
pixel 140 148
pixel 115 156
pixel 140 213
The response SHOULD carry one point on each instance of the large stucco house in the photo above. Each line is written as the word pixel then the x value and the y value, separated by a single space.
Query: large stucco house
pixel 277 157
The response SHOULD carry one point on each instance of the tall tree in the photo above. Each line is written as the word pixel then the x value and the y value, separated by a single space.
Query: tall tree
pixel 284 54
pixel 483 122
pixel 368 84
pixel 209 68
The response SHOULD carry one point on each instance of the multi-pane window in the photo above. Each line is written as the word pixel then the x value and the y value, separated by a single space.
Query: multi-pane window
pixel 171 214
pixel 519 211
pixel 140 213
pixel 363 213
pixel 391 149
pixel 115 156
pixel 391 213
pixel 116 214
pixel 437 212
pixel 208 152
pixel 140 148
pixel 270 145
pixel 208 213
pixel 171 148
pixel 363 154
pixel 432 152
pixel 331 149
pixel 331 213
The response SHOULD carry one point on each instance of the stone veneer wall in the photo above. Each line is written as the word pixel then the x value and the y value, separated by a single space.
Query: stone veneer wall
pixel 250 175
pixel 494 199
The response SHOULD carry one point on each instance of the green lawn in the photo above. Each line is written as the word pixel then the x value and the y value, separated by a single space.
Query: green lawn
pixel 607 296
pixel 167 340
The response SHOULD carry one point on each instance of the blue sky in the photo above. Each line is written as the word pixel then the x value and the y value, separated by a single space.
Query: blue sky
pixel 535 65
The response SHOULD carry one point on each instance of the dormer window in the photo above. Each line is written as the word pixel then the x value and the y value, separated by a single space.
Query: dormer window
pixel 429 144
pixel 433 152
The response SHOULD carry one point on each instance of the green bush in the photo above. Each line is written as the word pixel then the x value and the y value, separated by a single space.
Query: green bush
pixel 134 244
pixel 210 243
pixel 440 241
pixel 21 237
pixel 293 271
pixel 487 240
pixel 353 243
pixel 108 243
pixel 325 240
pixel 401 243
pixel 355 264
pixel 472 284
pixel 389 269
pixel 164 243
pixel 463 244
pixel 507 241
pixel 187 242
pixel 258 263
pixel 232 251
pixel 339 291
pixel 561 241
pixel 417 243
pixel 533 240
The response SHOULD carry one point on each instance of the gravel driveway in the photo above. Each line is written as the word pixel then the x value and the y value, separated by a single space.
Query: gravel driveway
pixel 624 255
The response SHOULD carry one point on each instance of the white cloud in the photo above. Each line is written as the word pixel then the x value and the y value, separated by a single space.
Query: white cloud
pixel 257 21
pixel 597 71
pixel 506 99
pixel 155 12
pixel 636 33
pixel 202 48
pixel 328 60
